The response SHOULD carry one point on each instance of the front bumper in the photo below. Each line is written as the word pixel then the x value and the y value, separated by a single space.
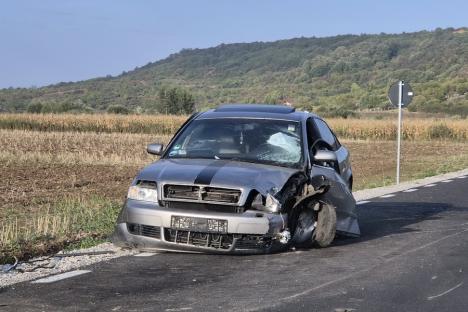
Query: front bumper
pixel 147 226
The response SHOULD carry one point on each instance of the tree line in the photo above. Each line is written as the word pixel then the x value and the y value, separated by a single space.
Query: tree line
pixel 170 100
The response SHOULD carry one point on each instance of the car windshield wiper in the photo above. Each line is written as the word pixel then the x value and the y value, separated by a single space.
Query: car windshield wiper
pixel 242 160
pixel 258 161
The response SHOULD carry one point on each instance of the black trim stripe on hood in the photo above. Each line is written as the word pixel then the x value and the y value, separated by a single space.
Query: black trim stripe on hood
pixel 206 175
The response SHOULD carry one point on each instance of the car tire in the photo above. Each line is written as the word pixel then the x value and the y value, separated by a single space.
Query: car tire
pixel 303 228
pixel 325 230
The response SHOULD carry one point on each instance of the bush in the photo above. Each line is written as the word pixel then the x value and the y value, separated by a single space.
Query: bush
pixel 35 107
pixel 176 101
pixel 118 109
pixel 440 131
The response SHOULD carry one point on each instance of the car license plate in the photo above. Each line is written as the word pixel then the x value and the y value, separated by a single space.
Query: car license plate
pixel 199 224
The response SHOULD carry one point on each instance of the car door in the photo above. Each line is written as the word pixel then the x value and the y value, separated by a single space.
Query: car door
pixel 336 175
pixel 342 166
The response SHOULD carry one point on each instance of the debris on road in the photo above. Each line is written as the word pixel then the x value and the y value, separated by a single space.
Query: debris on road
pixel 8 267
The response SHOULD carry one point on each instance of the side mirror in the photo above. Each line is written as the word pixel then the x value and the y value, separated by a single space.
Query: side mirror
pixel 154 149
pixel 325 156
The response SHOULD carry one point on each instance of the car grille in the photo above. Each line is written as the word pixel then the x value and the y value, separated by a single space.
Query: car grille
pixel 201 193
pixel 204 207
pixel 144 230
pixel 253 242
pixel 216 241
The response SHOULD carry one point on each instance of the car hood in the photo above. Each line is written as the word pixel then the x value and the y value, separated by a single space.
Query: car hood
pixel 221 173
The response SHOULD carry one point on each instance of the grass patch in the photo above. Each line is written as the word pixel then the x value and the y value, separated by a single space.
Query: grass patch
pixel 418 170
pixel 71 222
pixel 86 242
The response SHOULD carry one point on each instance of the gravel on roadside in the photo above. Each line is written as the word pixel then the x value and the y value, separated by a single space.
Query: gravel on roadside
pixel 61 262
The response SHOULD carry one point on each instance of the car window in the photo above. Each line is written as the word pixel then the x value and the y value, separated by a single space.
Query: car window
pixel 312 133
pixel 326 134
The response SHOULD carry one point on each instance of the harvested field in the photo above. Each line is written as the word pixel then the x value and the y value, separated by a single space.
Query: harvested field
pixel 67 148
pixel 374 162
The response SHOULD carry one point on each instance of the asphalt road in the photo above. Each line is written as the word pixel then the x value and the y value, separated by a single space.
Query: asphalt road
pixel 412 256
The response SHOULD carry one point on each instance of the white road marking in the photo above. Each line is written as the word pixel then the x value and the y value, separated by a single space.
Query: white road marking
pixel 179 309
pixel 395 219
pixel 445 292
pixel 58 277
pixel 410 190
pixel 362 202
pixel 447 181
pixel 429 185
pixel 461 177
pixel 145 254
pixel 387 196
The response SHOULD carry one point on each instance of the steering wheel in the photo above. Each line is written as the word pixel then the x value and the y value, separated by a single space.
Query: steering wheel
pixel 314 147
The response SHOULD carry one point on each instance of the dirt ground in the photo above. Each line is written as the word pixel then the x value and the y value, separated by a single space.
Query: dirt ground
pixel 26 188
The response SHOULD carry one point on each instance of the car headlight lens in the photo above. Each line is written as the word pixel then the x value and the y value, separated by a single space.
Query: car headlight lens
pixel 268 203
pixel 142 193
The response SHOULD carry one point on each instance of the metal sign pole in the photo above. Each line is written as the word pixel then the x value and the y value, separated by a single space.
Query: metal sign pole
pixel 400 94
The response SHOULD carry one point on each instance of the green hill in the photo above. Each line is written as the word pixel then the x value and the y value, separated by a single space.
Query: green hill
pixel 332 75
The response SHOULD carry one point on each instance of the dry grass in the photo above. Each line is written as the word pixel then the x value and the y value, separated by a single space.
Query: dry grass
pixel 55 226
pixel 363 129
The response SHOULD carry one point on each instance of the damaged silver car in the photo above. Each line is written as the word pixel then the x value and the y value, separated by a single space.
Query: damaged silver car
pixel 242 178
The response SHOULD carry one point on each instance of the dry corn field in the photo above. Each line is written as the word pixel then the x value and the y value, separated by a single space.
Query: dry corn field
pixel 154 124
pixel 362 129
pixel 65 176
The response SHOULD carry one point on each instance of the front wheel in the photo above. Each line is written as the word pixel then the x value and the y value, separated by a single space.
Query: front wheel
pixel 314 225
pixel 325 230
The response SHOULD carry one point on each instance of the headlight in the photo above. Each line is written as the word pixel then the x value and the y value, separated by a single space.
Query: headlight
pixel 141 193
pixel 270 203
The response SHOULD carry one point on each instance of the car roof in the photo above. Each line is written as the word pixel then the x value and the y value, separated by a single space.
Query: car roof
pixel 264 111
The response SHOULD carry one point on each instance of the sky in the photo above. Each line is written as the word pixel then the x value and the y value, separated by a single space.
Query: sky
pixel 45 42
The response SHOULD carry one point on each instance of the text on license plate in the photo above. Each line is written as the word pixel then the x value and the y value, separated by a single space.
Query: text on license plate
pixel 199 224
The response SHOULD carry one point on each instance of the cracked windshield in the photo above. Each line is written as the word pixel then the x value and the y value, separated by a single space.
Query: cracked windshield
pixel 251 140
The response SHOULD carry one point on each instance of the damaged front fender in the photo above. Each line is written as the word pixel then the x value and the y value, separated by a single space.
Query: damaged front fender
pixel 337 194
pixel 326 186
